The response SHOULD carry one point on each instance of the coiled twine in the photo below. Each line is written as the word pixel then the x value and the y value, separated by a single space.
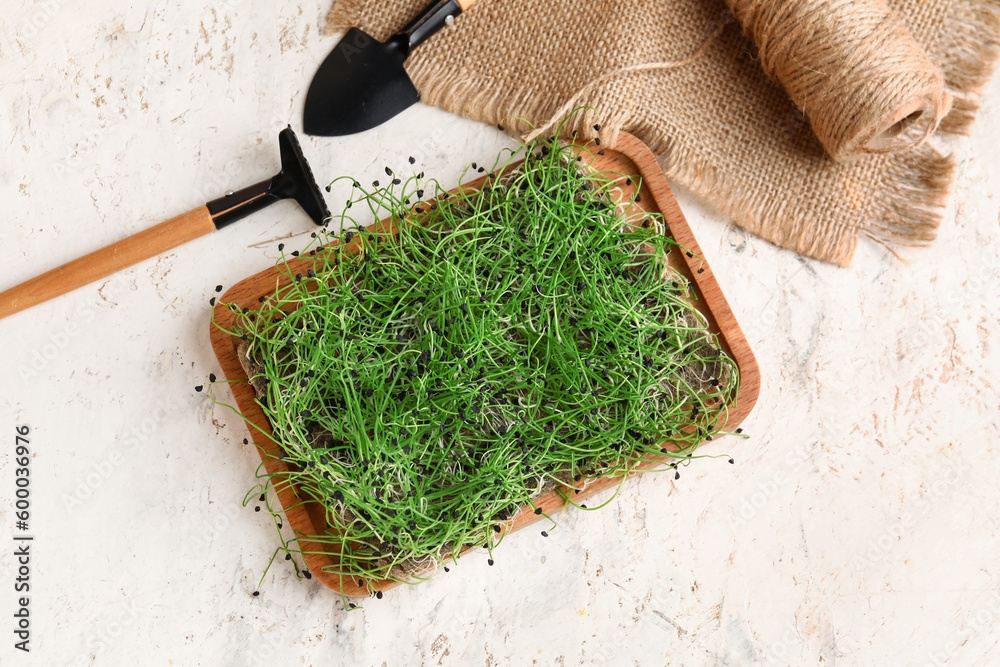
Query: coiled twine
pixel 852 67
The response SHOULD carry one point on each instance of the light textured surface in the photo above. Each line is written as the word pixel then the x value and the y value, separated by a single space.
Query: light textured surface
pixel 858 526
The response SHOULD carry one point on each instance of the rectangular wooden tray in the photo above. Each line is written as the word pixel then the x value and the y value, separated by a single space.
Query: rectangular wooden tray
pixel 628 156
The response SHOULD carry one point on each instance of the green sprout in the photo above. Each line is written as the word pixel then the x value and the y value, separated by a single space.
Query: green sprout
pixel 429 380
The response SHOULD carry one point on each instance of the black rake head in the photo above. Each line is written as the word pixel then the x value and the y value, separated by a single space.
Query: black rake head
pixel 296 180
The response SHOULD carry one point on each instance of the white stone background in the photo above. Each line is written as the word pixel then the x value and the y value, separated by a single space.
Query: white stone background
pixel 858 526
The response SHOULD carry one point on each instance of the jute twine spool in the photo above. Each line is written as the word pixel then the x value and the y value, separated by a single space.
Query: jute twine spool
pixel 852 67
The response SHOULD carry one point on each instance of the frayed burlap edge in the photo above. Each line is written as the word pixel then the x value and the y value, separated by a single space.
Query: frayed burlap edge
pixel 916 185
pixel 967 63
pixel 910 201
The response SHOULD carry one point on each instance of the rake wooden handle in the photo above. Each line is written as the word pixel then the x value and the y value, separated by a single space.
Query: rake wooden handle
pixel 106 261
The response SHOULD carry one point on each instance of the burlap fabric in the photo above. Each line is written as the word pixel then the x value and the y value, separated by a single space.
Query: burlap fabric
pixel 683 76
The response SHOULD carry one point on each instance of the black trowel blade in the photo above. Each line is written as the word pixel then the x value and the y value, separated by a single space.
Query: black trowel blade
pixel 360 85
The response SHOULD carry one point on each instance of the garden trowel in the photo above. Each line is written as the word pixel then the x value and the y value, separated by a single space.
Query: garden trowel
pixel 362 83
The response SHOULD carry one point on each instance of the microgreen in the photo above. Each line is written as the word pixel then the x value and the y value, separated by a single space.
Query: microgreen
pixel 434 378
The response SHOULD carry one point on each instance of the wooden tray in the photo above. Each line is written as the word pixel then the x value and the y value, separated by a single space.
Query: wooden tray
pixel 629 156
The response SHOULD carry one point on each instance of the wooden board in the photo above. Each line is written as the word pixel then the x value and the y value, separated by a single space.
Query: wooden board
pixel 629 157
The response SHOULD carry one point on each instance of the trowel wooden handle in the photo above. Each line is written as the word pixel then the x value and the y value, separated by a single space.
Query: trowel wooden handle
pixel 435 16
pixel 106 261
